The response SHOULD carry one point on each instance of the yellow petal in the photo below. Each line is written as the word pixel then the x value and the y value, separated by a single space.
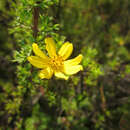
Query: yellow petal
pixel 37 51
pixel 61 75
pixel 69 70
pixel 50 46
pixel 66 50
pixel 46 73
pixel 37 61
pixel 74 61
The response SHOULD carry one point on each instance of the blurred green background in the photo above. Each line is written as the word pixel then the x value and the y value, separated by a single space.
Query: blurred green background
pixel 97 98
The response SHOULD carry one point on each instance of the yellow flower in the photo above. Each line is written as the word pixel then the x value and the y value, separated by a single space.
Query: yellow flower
pixel 56 63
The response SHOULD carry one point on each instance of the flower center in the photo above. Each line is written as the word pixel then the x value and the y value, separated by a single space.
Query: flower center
pixel 56 63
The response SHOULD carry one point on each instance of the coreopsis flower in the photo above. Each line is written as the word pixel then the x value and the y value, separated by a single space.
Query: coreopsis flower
pixel 55 63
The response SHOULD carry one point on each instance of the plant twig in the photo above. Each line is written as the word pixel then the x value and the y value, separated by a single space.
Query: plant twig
pixel 35 21
pixel 103 105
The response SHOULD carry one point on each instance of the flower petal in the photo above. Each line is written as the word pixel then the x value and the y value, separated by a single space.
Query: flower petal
pixel 46 73
pixel 74 61
pixel 66 50
pixel 38 52
pixel 37 61
pixel 50 46
pixel 69 70
pixel 61 75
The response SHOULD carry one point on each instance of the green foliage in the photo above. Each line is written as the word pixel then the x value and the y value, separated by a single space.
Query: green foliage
pixel 37 119
pixel 96 98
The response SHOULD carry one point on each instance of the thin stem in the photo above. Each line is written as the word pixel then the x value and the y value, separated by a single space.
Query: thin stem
pixel 35 21
pixel 103 105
